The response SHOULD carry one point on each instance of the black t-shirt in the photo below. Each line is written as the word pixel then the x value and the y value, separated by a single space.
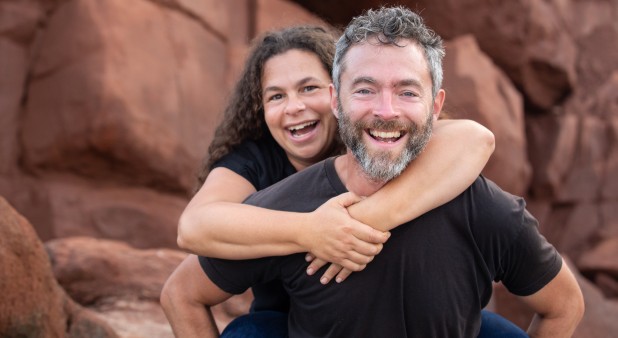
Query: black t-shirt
pixel 263 163
pixel 432 278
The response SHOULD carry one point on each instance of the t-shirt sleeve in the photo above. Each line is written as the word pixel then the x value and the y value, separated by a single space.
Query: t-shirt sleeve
pixel 508 236
pixel 236 276
pixel 530 262
pixel 244 162
pixel 261 162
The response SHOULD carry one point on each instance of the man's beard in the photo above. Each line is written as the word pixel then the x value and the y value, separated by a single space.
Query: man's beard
pixel 383 166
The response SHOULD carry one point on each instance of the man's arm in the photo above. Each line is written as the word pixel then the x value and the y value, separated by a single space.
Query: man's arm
pixel 186 299
pixel 559 306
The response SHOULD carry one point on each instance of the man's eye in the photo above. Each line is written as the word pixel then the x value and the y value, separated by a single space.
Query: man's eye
pixel 363 91
pixel 409 94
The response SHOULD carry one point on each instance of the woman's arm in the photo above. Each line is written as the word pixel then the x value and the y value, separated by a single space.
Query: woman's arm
pixel 216 224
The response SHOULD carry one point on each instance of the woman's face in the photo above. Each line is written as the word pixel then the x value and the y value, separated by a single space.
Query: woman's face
pixel 297 106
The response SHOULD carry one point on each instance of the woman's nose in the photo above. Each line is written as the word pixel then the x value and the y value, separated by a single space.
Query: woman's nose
pixel 294 105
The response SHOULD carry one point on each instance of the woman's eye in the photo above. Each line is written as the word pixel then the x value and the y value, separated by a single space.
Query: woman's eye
pixel 275 97
pixel 309 88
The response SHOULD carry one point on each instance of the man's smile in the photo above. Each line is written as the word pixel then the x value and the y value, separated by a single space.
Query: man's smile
pixel 385 136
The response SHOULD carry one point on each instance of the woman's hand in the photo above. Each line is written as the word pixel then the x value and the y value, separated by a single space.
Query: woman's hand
pixel 332 235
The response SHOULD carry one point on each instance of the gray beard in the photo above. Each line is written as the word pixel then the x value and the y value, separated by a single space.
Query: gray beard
pixel 383 166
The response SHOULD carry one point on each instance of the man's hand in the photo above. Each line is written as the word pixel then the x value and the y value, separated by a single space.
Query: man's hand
pixel 332 271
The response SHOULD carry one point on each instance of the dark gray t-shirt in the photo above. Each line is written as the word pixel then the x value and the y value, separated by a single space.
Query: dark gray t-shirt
pixel 432 278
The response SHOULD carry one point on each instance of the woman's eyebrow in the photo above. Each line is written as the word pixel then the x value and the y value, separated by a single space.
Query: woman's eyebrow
pixel 305 80
pixel 271 88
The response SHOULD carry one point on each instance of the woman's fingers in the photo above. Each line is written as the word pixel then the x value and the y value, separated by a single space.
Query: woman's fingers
pixel 346 199
pixel 362 248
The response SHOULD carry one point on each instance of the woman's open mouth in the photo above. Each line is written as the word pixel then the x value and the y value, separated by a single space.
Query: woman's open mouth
pixel 302 129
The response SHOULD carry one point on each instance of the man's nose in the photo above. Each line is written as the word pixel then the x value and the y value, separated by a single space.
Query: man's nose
pixel 294 105
pixel 384 108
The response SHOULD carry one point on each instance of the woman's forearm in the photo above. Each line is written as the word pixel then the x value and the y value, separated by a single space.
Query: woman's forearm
pixel 453 159
pixel 216 224
pixel 239 231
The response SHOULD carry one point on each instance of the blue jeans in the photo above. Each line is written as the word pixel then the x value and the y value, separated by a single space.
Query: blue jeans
pixel 259 324
pixel 494 325
pixel 264 324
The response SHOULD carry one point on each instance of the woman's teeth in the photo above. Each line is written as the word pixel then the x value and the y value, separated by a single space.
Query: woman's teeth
pixel 303 128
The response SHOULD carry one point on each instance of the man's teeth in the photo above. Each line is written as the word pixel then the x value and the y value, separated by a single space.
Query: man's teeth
pixel 385 134
pixel 301 126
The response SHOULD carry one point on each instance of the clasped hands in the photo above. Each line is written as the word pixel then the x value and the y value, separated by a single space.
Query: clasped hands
pixel 333 236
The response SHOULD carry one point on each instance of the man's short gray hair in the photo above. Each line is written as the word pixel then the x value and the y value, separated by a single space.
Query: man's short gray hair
pixel 389 25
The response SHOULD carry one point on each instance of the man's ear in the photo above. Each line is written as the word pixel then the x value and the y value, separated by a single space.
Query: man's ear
pixel 438 102
pixel 334 103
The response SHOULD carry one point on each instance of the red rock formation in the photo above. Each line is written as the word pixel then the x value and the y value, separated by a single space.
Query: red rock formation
pixel 478 90
pixel 122 284
pixel 601 313
pixel 109 104
pixel 107 107
pixel 32 304
pixel 601 263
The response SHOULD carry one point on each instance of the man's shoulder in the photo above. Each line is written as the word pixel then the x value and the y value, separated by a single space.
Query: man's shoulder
pixel 485 190
pixel 486 206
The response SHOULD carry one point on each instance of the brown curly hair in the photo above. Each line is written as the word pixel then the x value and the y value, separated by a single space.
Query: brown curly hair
pixel 243 118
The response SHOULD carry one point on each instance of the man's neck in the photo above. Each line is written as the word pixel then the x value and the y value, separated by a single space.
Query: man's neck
pixel 353 177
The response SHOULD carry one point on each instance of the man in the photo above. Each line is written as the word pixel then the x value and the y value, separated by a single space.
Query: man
pixel 435 274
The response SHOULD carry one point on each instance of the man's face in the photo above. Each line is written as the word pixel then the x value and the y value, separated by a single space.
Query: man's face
pixel 385 106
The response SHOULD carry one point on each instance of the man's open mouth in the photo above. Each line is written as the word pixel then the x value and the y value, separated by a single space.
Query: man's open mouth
pixel 386 136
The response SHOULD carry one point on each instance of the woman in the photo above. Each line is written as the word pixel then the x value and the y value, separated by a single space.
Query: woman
pixel 278 122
